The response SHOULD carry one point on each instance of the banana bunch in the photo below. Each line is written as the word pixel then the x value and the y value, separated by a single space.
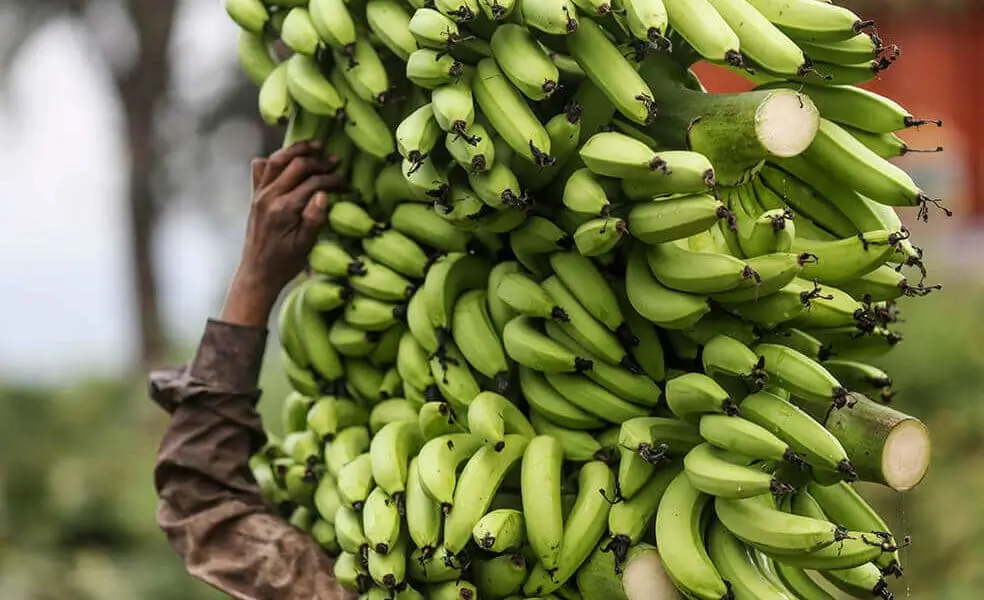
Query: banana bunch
pixel 579 329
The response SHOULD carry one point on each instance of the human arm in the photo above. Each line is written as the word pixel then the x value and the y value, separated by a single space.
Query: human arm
pixel 210 507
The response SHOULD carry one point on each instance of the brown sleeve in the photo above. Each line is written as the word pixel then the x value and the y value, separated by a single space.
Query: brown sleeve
pixel 210 507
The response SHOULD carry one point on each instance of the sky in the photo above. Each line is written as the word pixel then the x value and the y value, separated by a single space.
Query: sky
pixel 64 289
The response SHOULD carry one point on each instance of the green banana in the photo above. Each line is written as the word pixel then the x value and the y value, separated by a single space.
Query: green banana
pixel 424 226
pixel 812 21
pixel 500 576
pixel 542 470
pixel 679 267
pixel 429 69
pixel 585 282
pixel 499 311
pixel 251 15
pixel 662 221
pixel 381 521
pixel 348 531
pixel 509 114
pixel 712 471
pixel 527 297
pixel 355 481
pixel 732 559
pixel 390 569
pixel 500 531
pixel 661 305
pixel 628 520
pixel 389 21
pixel 524 61
pixel 454 106
pixel 436 419
pixel 757 521
pixel 583 326
pixel 703 27
pixel 491 417
pixel 438 462
pixel 363 124
pixel 476 337
pixel 367 76
pixel 801 375
pixel 761 41
pixel 447 279
pixel 746 438
pixel 474 150
pixel 330 415
pixel 578 446
pixel 423 514
pixel 550 403
pixel 725 356
pixel 348 444
pixel 334 24
pixel 592 398
pixel 553 17
pixel 696 394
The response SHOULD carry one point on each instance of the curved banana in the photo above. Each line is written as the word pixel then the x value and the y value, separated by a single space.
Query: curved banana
pixel 757 521
pixel 547 401
pixel 696 394
pixel 500 531
pixel 438 463
pixel 348 444
pixel 542 470
pixel 423 514
pixel 801 375
pixel 734 563
pixel 381 521
pixel 712 471
pixel 661 305
pixel 492 417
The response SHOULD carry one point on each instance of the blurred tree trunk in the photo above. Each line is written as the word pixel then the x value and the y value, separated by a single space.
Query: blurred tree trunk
pixel 142 90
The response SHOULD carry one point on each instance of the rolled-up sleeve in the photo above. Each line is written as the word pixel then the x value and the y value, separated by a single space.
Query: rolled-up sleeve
pixel 210 508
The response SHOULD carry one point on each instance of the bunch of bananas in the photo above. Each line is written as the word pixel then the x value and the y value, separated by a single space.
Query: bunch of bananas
pixel 581 329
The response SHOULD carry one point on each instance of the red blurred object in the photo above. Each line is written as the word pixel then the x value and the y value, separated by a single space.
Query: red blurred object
pixel 940 74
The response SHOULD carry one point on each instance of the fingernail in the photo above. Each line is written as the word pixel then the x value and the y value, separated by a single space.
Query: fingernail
pixel 321 200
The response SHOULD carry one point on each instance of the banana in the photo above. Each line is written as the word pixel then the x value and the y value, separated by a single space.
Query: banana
pixel 831 309
pixel 330 415
pixel 364 381
pixel 697 394
pixel 351 575
pixel 405 592
pixel 592 398
pixel 845 506
pixel 363 124
pixel 757 521
pixel 431 29
pixel 454 106
pixel 348 444
pixel 367 77
pixel 554 407
pixel 585 525
pixel 762 232
pixel 300 483
pixel 736 566
pixel 479 480
pixel 369 314
pixel 390 569
pixel 805 200
pixel 287 328
pixel 380 282
pixel 635 387
pixel 542 470
pixel 437 419
pixel 662 221
pixel 461 11
pixel 583 327
pixel 501 576
pixel 866 172
pixel 474 150
pixel 844 260
pixel 438 462
pixel 418 322
pixel 553 17
pixel 326 500
pixel 298 33
pixel 860 377
pixel 453 590
pixel 746 438
pixel 679 267
pixel 500 312
pixel 500 531
pixel 524 61
pixel 420 223
pixel 679 535
pixel 863 581
pixel 598 237
pixel 712 471
pixel 799 340
pixel 614 154
pixel 351 342
pixel 389 22
pixel 802 376
pixel 294 411
pixel 583 193
pixel 355 481
pixel 304 447
pixel 647 21
pixel 634 470
pixel 447 279
pixel 275 102
pixel 423 514
pixel 703 27
pixel 811 21
pixel 578 446
pixel 851 552
pixel 775 271
pixel 585 282
pixel 611 72
pixel 348 219
pixel 251 15
pixel 255 59
pixel 528 298
pixel 661 305
pixel 398 252
pixel 539 235
pixel 477 338
pixel 647 350
pixel 381 521
pixel 859 107
pixel 393 410
pixel 333 22
pixel 417 134
pixel 628 519
pixel 498 187
pixel 799 582
pixel 564 130
pixel 453 377
pixel 690 173
pixel 509 114
pixel 724 355
pixel 429 69
pixel 313 334
pixel 324 295
pixel 348 531
pixel 762 41
pixel 491 417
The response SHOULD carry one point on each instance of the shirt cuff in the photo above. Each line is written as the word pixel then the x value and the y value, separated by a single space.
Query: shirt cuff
pixel 229 357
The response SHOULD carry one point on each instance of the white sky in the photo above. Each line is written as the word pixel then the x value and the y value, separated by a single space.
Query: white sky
pixel 64 288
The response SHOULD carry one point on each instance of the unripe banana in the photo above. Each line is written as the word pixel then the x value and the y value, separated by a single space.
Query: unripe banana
pixel 251 15
pixel 454 106
pixel 354 483
pixel 275 102
pixel 509 114
pixel 347 218
pixel 501 576
pixel 421 223
pixel 812 22
pixel 389 21
pixel 417 134
pixel 334 24
pixel 389 570
pixel 491 417
pixel 604 64
pixel 578 446
pixel 737 567
pixel 436 419
pixel 392 410
pixel 438 462
pixel 584 194
pixel 757 521
pixel 422 512
pixel 255 59
pixel 661 305
pixel 368 131
pixel 500 531
pixel 367 76
pixel 298 32
pixel 462 11
pixel 350 573
pixel 552 405
pixel 524 61
pixel 497 10
pixel 381 521
pixel 599 236
pixel 647 21
pixel 429 69
pixel 474 150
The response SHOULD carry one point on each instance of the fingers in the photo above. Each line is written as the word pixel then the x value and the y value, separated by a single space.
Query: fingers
pixel 297 172
pixel 280 159
pixel 257 167
pixel 301 197
pixel 314 215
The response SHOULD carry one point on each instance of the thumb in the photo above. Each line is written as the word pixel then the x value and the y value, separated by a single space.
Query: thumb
pixel 313 217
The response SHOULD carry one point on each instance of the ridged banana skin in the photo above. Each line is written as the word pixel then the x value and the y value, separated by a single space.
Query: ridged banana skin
pixel 453 377
pixel 845 260
pixel 274 100
pixel 478 483
pixel 531 348
pixel 251 15
pixel 801 375
pixel 438 463
pixel 661 221
pixel 553 17
pixel 711 472
pixel 333 22
pixel 585 525
pixel 500 312
pixel 762 41
pixel 578 446
pixel 630 519
pixel 699 23
pixel 594 399
pixel 605 65
pixel 524 61
pixel 541 475
pixel 255 59
pixel 744 437
pixel 682 269
pixel 309 88
pixel 368 131
pixel 447 279
pixel 732 559
pixel 477 338
pixel 509 114
pixel 582 326
pixel 693 394
pixel 424 515
pixel 543 398
pixel 313 335
pixel 420 223
pixel 758 522
pixel 389 21
pixel 390 454
pixel 428 69
pixel 527 297
pixel 584 280
pixel 679 536
pixel 659 304
pixel 810 21
pixel 381 521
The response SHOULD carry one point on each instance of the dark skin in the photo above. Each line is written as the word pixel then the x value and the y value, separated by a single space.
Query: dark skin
pixel 290 195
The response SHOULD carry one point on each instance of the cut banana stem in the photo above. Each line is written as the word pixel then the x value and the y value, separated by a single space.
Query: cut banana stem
pixel 886 446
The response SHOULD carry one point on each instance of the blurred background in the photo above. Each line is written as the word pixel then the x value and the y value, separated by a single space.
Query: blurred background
pixel 127 131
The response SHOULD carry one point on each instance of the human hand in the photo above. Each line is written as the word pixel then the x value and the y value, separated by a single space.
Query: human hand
pixel 290 194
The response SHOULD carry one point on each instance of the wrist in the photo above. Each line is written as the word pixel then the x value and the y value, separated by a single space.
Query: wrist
pixel 249 300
